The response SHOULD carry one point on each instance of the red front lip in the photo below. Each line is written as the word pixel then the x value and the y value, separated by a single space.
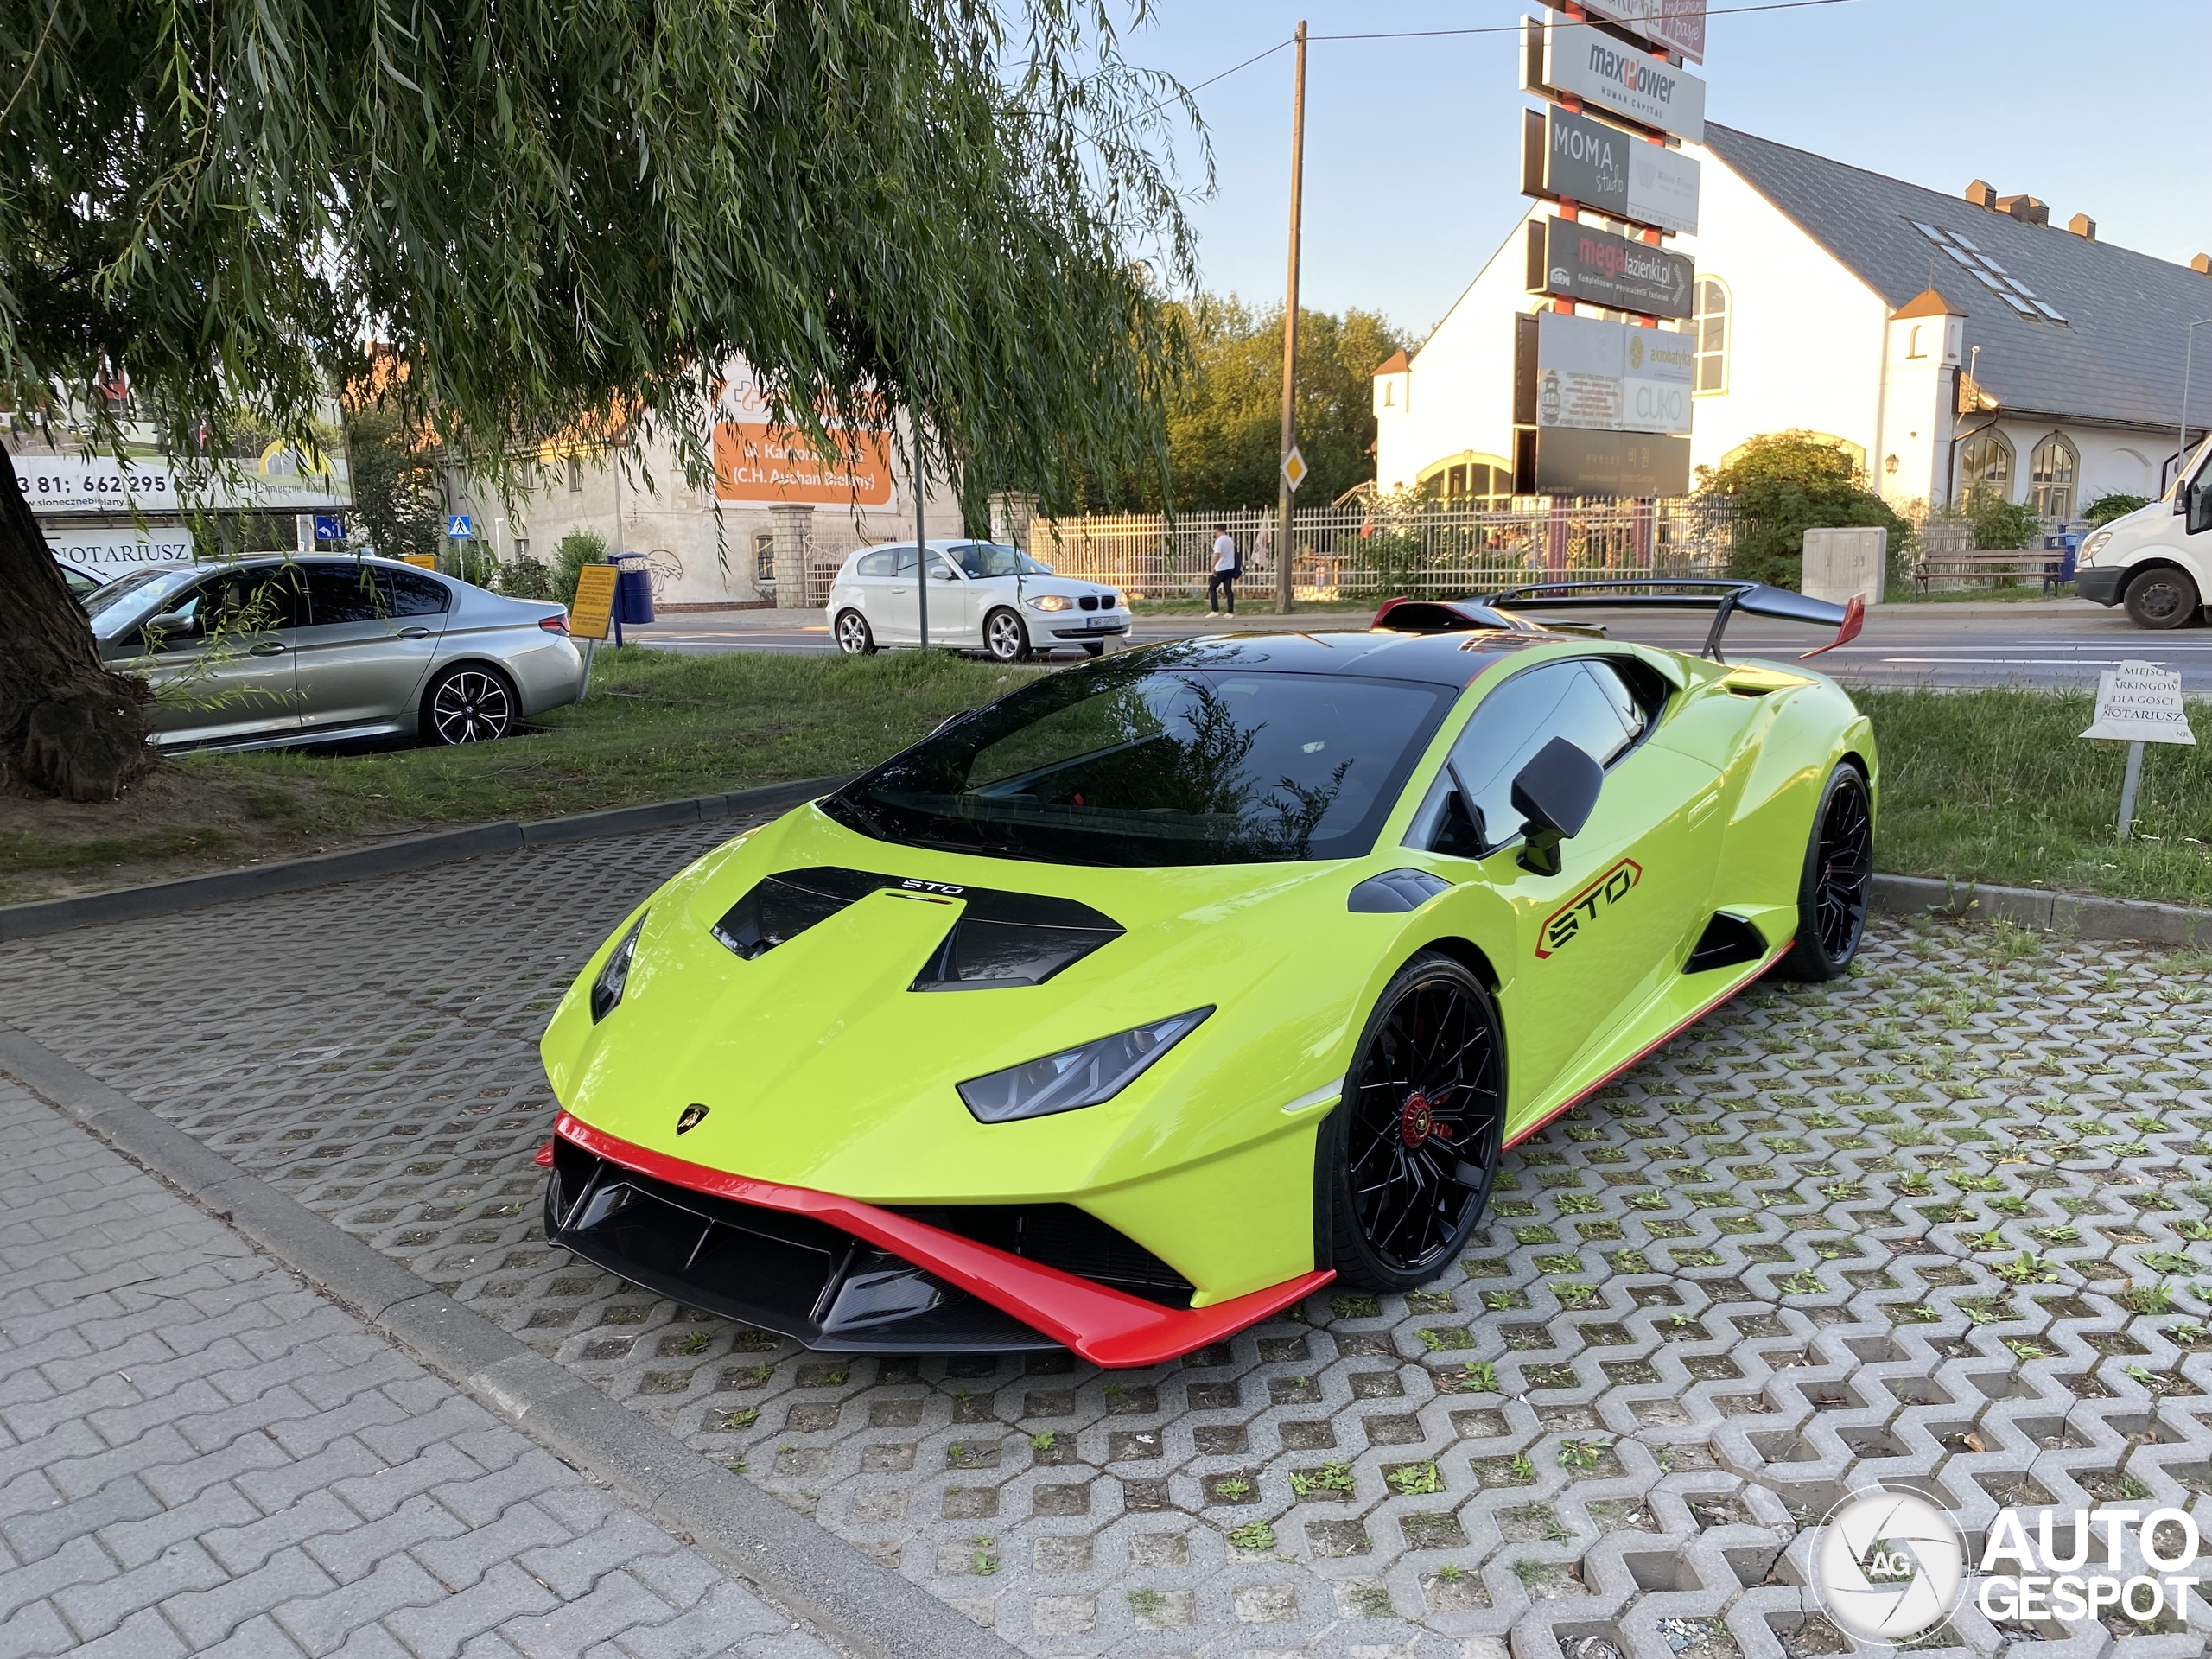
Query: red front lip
pixel 1106 1326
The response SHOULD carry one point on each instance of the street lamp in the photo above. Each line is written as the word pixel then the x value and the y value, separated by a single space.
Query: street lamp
pixel 2181 448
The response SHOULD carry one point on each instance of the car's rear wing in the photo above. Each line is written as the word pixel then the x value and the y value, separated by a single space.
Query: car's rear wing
pixel 1722 597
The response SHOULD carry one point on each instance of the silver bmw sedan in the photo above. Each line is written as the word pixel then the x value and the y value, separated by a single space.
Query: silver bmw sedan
pixel 261 652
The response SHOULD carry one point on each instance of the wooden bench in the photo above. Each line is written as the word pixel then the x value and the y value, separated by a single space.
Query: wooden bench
pixel 2037 563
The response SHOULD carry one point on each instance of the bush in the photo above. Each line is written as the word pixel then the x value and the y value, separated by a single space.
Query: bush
pixel 578 548
pixel 2105 508
pixel 1786 483
pixel 1998 524
pixel 473 562
pixel 525 578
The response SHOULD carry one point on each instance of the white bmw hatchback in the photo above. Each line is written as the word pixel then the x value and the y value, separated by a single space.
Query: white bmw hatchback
pixel 982 596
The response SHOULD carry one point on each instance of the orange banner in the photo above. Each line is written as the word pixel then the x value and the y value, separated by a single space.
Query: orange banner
pixel 765 465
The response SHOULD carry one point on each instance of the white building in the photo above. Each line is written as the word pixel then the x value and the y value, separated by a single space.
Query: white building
pixel 1947 340
pixel 726 542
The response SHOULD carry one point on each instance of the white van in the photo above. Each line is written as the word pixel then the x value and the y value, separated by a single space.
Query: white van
pixel 2158 560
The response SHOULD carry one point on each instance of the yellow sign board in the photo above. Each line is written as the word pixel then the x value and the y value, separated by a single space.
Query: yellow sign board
pixel 591 614
pixel 420 560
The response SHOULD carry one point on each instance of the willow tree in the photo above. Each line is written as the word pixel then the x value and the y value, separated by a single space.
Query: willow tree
pixel 538 211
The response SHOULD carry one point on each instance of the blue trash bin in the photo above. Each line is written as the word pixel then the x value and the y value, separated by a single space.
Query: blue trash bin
pixel 633 592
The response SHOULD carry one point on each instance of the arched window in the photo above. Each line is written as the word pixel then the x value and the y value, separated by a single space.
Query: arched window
pixel 2052 466
pixel 1709 324
pixel 1985 463
pixel 1470 479
pixel 1912 343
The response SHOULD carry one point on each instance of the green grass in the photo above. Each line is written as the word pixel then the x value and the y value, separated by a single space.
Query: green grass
pixel 657 727
pixel 1996 786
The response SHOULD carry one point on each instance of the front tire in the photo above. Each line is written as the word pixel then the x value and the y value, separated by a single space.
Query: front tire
pixel 2163 598
pixel 1839 875
pixel 1004 640
pixel 854 637
pixel 469 704
pixel 1094 648
pixel 1404 1163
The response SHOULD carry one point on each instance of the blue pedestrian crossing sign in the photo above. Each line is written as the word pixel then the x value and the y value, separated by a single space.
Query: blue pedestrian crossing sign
pixel 458 528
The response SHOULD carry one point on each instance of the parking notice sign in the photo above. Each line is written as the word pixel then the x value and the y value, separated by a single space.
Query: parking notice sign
pixel 2140 702
pixel 592 613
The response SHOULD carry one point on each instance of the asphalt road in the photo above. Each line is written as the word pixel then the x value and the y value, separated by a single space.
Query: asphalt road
pixel 2058 643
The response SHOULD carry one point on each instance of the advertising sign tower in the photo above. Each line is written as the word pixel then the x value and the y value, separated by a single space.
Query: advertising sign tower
pixel 1601 389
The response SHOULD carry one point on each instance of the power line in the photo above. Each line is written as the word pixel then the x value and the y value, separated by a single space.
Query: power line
pixel 1514 28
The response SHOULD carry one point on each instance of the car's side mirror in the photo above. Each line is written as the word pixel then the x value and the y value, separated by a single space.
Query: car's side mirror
pixel 161 627
pixel 1554 793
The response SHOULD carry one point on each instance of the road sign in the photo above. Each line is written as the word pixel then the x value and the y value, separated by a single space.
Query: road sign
pixel 1568 157
pixel 1573 261
pixel 1604 377
pixel 1575 60
pixel 1677 25
pixel 1294 467
pixel 1574 461
pixel 329 527
pixel 420 560
pixel 591 614
pixel 458 528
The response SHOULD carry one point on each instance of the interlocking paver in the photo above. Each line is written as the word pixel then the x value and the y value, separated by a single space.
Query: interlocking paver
pixel 1942 1220
pixel 240 1542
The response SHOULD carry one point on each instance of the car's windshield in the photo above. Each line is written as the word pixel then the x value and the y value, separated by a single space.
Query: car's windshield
pixel 980 559
pixel 128 598
pixel 1132 765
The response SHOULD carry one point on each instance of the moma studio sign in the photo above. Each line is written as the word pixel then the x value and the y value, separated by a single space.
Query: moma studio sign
pixel 1575 60
pixel 1568 157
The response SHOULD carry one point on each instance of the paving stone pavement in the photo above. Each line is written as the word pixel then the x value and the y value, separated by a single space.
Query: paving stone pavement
pixel 1944 1222
pixel 201 1454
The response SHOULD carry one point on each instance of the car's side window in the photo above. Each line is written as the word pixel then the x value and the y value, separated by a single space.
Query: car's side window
pixel 244 601
pixel 341 593
pixel 404 593
pixel 1470 810
pixel 874 564
pixel 908 563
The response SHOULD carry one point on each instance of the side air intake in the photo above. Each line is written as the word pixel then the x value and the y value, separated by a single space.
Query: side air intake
pixel 1727 942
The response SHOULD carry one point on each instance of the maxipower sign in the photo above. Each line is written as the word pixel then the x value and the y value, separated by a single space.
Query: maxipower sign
pixel 1564 59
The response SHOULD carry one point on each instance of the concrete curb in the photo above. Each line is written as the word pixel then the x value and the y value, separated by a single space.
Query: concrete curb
pixel 2081 915
pixel 402 853
pixel 808 1571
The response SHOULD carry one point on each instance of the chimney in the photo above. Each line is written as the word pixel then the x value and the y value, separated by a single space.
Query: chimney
pixel 2083 226
pixel 1982 195
pixel 2201 264
pixel 2026 209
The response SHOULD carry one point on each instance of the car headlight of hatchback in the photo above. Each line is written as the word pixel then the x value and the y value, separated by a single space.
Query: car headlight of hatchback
pixel 1084 1076
pixel 2094 544
pixel 614 973
pixel 1049 602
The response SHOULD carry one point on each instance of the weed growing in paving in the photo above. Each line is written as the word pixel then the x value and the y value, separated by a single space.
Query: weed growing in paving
pixel 1253 1534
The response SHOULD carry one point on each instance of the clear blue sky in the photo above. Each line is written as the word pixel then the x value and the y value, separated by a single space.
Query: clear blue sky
pixel 1412 146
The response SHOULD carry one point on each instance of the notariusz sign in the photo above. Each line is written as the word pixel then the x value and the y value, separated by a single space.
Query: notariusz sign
pixel 1566 157
pixel 1579 61
pixel 1570 261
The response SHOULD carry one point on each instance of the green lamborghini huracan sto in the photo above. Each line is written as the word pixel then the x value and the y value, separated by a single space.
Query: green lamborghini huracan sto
pixel 1137 1005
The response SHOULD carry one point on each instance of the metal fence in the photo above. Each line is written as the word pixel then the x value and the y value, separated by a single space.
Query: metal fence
pixel 1360 552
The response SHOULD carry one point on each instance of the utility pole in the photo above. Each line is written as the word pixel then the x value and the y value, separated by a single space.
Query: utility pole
pixel 1284 555
pixel 921 543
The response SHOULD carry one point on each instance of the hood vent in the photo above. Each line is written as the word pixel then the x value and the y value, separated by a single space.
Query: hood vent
pixel 1002 939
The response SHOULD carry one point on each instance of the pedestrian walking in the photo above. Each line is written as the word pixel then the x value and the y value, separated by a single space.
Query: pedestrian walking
pixel 1226 569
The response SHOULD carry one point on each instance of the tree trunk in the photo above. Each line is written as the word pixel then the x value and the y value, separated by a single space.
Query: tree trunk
pixel 68 726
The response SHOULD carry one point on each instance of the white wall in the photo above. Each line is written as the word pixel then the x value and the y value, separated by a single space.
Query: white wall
pixel 2111 462
pixel 1458 395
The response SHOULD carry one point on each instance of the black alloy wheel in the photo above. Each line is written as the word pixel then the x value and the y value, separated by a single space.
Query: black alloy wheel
pixel 854 637
pixel 1004 640
pixel 468 705
pixel 1407 1158
pixel 2163 598
pixel 1838 874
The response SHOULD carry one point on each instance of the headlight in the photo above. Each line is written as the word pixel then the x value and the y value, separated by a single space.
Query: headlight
pixel 2095 543
pixel 1113 601
pixel 1049 602
pixel 613 974
pixel 1075 1077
